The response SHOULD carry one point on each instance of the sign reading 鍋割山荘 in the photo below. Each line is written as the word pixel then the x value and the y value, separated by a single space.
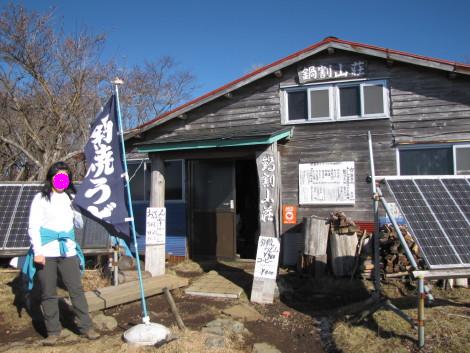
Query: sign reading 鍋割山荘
pixel 311 72
pixel 267 257
pixel 155 226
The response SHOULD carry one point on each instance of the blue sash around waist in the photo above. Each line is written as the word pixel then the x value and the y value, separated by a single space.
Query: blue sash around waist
pixel 47 235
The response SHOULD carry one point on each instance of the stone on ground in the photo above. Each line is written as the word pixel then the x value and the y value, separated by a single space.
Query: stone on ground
pixel 105 323
pixel 264 348
pixel 244 312
pixel 215 341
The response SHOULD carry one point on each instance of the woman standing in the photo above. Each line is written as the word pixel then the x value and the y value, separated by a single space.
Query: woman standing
pixel 54 250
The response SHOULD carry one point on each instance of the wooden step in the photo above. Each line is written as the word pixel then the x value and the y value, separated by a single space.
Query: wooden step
pixel 107 297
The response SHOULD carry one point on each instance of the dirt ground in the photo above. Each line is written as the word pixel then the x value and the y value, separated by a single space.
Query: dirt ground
pixel 298 322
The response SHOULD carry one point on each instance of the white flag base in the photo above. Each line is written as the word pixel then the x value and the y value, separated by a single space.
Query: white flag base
pixel 147 334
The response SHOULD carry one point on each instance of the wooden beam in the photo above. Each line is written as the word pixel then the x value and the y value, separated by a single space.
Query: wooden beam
pixel 107 297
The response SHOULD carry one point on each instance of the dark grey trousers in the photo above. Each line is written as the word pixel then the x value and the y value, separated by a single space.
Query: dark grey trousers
pixel 69 270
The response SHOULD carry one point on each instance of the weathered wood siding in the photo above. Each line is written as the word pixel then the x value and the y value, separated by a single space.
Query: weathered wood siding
pixel 425 105
pixel 428 106
pixel 256 104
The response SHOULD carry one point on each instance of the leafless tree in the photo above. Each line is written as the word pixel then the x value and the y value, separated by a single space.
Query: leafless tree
pixel 53 84
pixel 156 87
pixel 49 90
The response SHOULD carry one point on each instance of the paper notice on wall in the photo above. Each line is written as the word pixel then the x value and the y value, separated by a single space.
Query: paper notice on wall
pixel 330 183
pixel 267 257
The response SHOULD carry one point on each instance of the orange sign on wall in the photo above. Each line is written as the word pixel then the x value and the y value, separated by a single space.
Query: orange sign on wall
pixel 289 214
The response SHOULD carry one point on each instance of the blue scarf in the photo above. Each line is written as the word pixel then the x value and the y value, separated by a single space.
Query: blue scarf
pixel 47 235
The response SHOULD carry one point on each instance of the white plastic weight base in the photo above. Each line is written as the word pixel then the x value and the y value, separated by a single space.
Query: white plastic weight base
pixel 147 334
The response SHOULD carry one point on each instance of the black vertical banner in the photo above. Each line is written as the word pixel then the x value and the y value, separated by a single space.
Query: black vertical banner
pixel 102 192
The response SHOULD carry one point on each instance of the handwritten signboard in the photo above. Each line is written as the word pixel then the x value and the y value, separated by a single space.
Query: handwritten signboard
pixel 337 71
pixel 155 226
pixel 331 183
pixel 267 257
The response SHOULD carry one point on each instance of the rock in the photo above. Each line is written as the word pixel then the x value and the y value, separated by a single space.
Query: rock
pixel 215 330
pixel 214 341
pixel 244 312
pixel 105 323
pixel 264 348
pixel 227 326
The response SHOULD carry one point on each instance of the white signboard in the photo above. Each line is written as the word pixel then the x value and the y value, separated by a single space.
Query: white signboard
pixel 330 183
pixel 334 71
pixel 155 229
pixel 267 257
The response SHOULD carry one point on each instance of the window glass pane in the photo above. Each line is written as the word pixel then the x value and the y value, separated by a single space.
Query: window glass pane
pixel 297 102
pixel 373 99
pixel 349 101
pixel 319 103
pixel 462 160
pixel 137 181
pixel 430 161
pixel 173 180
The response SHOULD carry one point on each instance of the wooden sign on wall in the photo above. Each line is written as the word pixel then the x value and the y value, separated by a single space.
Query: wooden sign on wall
pixel 312 72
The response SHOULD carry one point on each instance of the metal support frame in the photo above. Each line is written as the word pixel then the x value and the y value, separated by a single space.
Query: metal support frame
pixel 378 197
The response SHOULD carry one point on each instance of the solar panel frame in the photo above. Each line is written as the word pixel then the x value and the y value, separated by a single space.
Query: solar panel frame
pixel 8 205
pixel 439 207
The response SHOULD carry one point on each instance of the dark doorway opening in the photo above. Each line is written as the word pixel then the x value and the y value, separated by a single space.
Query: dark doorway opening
pixel 247 217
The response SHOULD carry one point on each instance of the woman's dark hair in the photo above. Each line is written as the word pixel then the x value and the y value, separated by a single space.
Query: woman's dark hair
pixel 53 170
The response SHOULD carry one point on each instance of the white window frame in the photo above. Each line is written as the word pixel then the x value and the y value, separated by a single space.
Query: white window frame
pixel 454 152
pixel 331 106
pixel 334 101
pixel 454 147
pixel 386 103
pixel 183 181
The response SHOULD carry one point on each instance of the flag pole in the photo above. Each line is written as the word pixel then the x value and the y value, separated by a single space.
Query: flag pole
pixel 117 82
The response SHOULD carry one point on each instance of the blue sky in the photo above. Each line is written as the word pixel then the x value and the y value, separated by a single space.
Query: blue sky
pixel 220 41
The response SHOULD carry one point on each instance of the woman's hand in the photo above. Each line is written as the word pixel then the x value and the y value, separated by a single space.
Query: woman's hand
pixel 40 259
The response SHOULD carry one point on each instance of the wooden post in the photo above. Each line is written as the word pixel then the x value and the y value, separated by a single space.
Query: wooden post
pixel 316 231
pixel 269 186
pixel 155 254
pixel 174 309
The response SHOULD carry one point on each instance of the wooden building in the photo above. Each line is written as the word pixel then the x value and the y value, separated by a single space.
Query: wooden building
pixel 294 133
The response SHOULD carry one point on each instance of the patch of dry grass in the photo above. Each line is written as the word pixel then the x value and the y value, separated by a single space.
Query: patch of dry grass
pixel 189 341
pixel 93 279
pixel 188 266
pixel 447 325
pixel 8 309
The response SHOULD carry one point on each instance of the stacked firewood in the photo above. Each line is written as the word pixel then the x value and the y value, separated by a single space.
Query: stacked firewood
pixel 341 224
pixel 393 256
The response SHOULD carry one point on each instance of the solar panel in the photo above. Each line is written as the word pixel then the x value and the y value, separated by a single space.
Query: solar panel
pixel 9 195
pixel 18 237
pixel 434 209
